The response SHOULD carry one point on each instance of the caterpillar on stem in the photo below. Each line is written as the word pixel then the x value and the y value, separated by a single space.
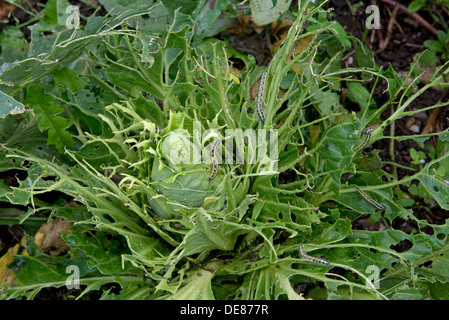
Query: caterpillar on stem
pixel 214 170
pixel 304 255
pixel 157 131
pixel 261 95
pixel 370 200
pixel 67 54
pixel 363 145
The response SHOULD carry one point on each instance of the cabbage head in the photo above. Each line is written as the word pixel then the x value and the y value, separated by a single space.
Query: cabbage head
pixel 181 175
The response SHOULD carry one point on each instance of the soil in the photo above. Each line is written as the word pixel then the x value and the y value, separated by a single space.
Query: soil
pixel 405 43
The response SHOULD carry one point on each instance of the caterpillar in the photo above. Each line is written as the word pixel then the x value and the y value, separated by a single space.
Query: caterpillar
pixel 67 54
pixel 261 95
pixel 304 255
pixel 370 200
pixel 214 170
pixel 362 146
pixel 158 131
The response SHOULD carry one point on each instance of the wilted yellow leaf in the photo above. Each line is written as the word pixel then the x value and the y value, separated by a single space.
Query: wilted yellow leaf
pixel 298 46
pixel 6 276
pixel 315 131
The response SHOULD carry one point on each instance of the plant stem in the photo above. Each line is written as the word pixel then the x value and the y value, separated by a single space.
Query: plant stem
pixel 392 149
pixel 399 165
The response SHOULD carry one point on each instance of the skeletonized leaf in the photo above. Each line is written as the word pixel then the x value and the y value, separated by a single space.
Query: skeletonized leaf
pixel 8 105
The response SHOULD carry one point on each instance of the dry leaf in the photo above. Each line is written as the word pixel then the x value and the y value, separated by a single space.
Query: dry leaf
pixel 6 276
pixel 432 121
pixel 5 9
pixel 48 237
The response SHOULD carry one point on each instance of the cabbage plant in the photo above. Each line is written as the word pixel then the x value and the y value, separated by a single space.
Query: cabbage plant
pixel 116 131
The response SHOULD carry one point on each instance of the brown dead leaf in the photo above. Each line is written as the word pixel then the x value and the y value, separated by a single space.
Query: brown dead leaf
pixel 281 27
pixel 5 9
pixel 243 25
pixel 432 122
pixel 48 237
pixel 298 46
pixel 410 122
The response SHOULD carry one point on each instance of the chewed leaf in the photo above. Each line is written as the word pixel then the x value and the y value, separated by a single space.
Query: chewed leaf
pixel 358 93
pixel 209 235
pixel 444 136
pixel 439 265
pixel 438 189
pixel 336 149
pixel 8 105
pixel 393 80
pixel 47 114
pixel 101 251
pixel 199 287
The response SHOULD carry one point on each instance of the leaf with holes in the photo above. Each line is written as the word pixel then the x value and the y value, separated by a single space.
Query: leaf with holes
pixel 336 150
pixel 48 118
pixel 438 189
pixel 8 105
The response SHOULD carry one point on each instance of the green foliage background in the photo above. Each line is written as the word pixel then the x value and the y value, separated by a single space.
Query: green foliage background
pixel 79 115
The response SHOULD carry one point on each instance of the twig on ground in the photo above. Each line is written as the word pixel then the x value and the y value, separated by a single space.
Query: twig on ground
pixel 379 34
pixel 443 7
pixel 389 30
pixel 414 15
